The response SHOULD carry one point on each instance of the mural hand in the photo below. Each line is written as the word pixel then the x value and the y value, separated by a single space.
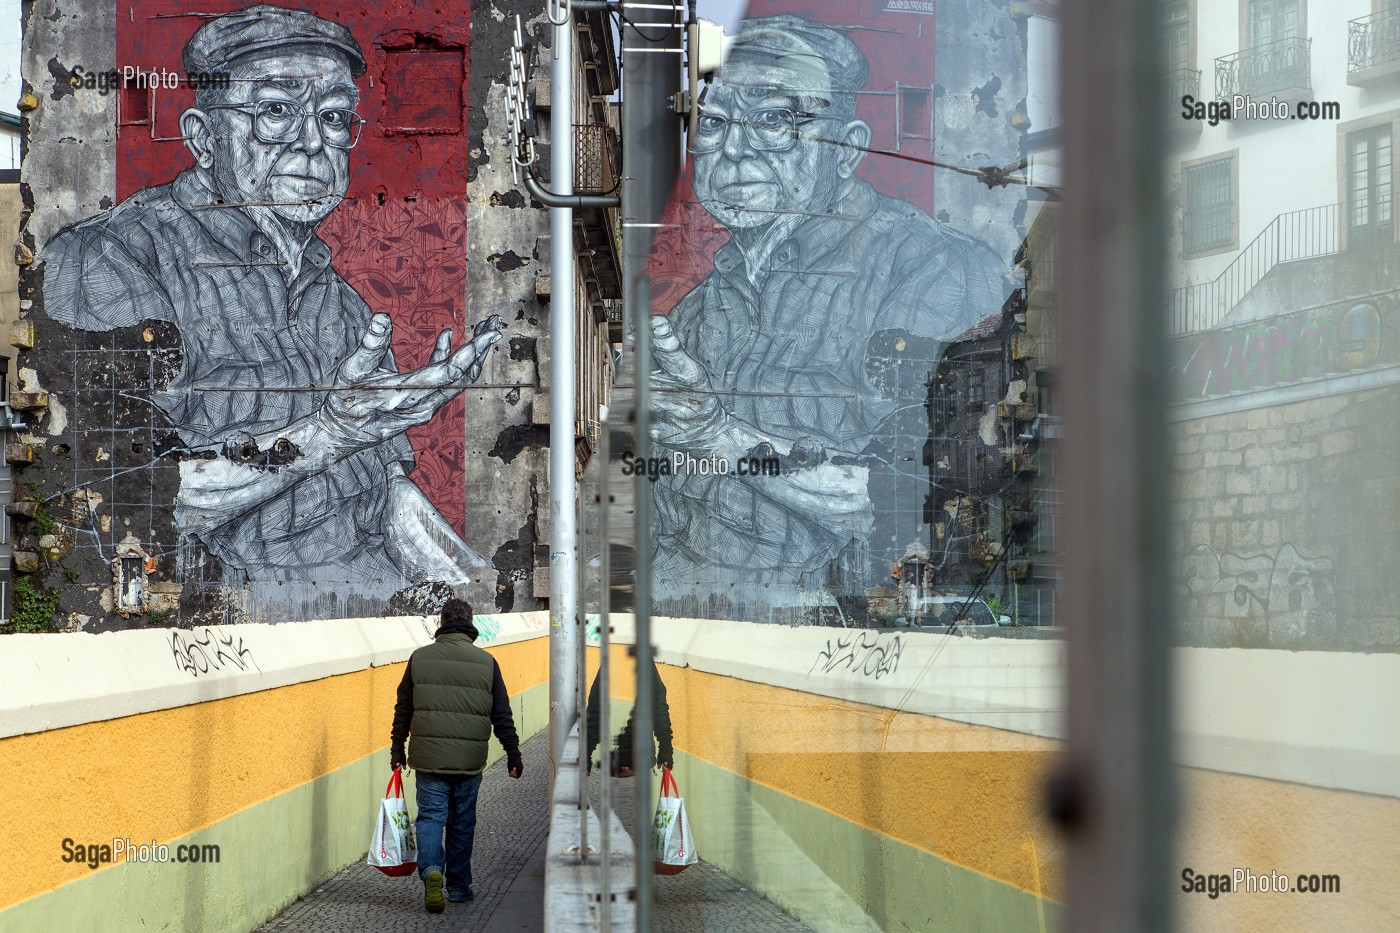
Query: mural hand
pixel 670 357
pixel 443 348
pixel 685 416
pixel 369 354
pixel 458 370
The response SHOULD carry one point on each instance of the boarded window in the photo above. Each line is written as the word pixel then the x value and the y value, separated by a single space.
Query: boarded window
pixel 915 121
pixel 134 103
pixel 423 90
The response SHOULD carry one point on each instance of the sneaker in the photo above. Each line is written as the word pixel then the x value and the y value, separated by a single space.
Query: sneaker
pixel 432 893
pixel 458 897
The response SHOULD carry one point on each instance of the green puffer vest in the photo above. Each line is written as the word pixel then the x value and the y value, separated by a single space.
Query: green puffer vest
pixel 451 706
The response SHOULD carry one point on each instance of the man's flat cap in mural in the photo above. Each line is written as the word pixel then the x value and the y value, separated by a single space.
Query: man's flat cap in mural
pixel 259 28
pixel 818 58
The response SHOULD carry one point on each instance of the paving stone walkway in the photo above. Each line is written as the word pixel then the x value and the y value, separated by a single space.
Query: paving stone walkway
pixel 508 877
pixel 701 899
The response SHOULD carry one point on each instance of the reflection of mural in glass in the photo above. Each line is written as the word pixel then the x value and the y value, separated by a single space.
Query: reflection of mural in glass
pixel 814 336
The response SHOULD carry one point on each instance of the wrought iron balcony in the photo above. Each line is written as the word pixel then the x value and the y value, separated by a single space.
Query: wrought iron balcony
pixel 595 158
pixel 1180 83
pixel 1373 47
pixel 1281 69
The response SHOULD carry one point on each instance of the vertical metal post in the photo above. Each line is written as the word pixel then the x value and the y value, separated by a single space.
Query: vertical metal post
pixel 1115 797
pixel 651 48
pixel 581 685
pixel 563 540
pixel 605 671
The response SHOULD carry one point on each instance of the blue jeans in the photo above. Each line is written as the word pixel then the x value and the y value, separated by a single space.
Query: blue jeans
pixel 447 801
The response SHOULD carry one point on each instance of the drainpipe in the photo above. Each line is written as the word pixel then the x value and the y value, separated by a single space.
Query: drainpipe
pixel 563 539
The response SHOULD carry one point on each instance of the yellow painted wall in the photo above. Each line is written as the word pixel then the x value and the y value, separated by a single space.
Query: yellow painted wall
pixel 971 795
pixel 1231 820
pixel 163 774
pixel 968 794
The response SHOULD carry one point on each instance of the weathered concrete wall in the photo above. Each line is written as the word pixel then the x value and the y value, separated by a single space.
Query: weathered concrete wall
pixel 1285 518
pixel 507 460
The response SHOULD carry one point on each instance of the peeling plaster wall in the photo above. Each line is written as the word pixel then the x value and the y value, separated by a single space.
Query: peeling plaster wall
pixel 70 138
pixel 981 71
pixel 507 463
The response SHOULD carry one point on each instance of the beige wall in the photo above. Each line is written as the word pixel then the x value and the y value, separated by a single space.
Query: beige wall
pixel 10 206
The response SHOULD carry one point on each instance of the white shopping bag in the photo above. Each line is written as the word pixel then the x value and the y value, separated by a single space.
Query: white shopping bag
pixel 394 848
pixel 675 847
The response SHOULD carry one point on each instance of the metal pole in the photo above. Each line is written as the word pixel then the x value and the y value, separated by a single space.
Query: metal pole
pixel 651 48
pixel 605 670
pixel 1114 798
pixel 563 540
pixel 580 695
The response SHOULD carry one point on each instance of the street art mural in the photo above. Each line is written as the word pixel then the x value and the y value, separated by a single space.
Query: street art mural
pixel 272 315
pixel 806 293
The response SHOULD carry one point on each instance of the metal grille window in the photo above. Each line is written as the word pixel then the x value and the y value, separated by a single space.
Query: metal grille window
pixel 1210 206
pixel 1369 204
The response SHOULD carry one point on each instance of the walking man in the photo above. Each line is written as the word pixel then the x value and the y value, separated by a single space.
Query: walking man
pixel 451 697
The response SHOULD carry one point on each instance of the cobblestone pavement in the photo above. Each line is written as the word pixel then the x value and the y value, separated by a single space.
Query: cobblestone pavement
pixel 701 899
pixel 512 822
pixel 508 873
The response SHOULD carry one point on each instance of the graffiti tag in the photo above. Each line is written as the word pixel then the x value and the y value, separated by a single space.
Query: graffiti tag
pixel 210 650
pixel 866 653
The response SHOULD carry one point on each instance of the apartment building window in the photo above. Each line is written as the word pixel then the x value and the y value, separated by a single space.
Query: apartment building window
pixel 1177 34
pixel 1370 211
pixel 1272 20
pixel 1210 205
pixel 976 391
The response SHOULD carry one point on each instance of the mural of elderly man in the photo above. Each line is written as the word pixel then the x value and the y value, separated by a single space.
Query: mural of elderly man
pixel 814 335
pixel 287 399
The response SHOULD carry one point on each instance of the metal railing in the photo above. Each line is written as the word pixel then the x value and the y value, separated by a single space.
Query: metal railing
pixel 1305 234
pixel 1181 82
pixel 1373 40
pixel 595 158
pixel 1284 65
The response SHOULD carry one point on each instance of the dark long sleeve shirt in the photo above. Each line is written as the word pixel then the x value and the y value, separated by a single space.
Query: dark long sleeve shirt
pixel 660 720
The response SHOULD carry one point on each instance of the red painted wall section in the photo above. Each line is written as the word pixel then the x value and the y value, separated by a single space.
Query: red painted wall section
pixel 899 47
pixel 400 236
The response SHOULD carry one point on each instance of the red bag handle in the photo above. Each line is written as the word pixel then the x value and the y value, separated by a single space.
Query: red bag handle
pixel 668 784
pixel 395 788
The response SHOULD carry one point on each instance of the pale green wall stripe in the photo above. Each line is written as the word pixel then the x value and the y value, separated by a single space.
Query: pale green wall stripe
pixel 271 854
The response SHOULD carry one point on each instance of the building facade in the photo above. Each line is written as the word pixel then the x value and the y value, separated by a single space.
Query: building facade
pixel 1283 315
pixel 249 230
